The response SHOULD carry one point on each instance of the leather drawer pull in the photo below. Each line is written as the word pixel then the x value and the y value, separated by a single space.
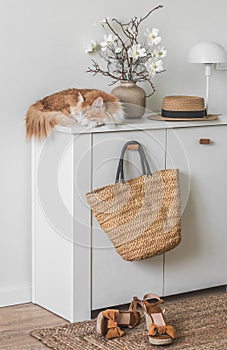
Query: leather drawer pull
pixel 133 147
pixel 205 141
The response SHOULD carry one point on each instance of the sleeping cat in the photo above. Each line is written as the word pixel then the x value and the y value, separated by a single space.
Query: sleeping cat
pixel 87 106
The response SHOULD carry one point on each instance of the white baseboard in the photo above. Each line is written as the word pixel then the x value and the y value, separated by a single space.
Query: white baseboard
pixel 16 295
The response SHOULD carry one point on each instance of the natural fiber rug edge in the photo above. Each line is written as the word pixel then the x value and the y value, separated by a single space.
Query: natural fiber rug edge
pixel 200 322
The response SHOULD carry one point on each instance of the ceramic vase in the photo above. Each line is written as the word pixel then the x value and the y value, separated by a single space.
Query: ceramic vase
pixel 132 97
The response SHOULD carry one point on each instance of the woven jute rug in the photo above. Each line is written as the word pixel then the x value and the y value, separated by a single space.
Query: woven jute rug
pixel 201 324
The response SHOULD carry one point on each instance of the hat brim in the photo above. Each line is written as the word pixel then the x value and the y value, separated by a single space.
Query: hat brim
pixel 209 117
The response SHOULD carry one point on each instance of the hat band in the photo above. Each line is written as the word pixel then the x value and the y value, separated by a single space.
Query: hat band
pixel 183 114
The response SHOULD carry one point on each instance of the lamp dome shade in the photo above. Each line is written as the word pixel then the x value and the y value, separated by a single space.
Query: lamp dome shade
pixel 207 52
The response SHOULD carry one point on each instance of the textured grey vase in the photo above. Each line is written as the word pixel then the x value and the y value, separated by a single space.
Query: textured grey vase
pixel 132 97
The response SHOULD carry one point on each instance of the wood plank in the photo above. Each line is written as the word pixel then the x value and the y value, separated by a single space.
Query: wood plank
pixel 16 323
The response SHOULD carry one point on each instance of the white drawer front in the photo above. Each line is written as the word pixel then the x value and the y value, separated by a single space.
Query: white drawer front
pixel 115 281
pixel 200 260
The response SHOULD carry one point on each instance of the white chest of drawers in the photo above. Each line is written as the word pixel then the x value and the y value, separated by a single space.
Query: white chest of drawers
pixel 75 267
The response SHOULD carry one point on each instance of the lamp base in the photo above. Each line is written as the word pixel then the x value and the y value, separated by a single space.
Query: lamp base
pixel 208 71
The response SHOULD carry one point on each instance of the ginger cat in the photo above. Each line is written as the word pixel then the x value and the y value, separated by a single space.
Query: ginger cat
pixel 89 107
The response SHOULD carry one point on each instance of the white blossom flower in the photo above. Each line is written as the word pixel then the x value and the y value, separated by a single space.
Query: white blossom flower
pixel 154 67
pixel 152 36
pixel 91 47
pixel 159 52
pixel 108 40
pixel 137 51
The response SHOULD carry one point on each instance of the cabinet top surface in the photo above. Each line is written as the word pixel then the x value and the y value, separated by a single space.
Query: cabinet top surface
pixel 140 124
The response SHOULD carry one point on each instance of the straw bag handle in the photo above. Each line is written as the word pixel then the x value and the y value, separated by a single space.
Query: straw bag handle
pixel 144 163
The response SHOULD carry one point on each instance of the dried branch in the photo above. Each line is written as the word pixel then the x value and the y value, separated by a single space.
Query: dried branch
pixel 121 26
pixel 97 70
pixel 148 14
pixel 123 64
pixel 152 88
pixel 119 37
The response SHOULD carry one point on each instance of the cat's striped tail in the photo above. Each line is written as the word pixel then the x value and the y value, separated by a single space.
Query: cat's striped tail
pixel 40 123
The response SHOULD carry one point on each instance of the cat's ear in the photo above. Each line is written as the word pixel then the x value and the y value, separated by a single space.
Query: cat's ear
pixel 98 103
pixel 80 99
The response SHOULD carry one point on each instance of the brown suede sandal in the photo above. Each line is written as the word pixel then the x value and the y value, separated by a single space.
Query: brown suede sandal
pixel 108 321
pixel 159 332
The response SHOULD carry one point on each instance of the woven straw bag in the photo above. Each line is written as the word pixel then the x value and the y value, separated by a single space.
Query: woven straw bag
pixel 141 216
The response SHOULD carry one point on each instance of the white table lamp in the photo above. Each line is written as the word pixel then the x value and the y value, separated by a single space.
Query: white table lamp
pixel 207 52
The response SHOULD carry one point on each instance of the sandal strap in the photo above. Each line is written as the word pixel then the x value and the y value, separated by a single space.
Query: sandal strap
pixel 134 304
pixel 143 302
pixel 133 308
pixel 153 296
pixel 136 301
pixel 147 296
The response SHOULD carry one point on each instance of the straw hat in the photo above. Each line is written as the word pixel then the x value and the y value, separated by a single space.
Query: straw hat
pixel 183 107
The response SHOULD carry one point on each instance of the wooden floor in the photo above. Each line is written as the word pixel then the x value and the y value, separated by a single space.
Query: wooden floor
pixel 16 322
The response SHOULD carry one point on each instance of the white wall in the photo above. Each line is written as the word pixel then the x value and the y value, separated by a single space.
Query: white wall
pixel 41 51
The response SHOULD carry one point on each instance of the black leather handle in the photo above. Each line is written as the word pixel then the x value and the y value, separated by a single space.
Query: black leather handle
pixel 144 163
